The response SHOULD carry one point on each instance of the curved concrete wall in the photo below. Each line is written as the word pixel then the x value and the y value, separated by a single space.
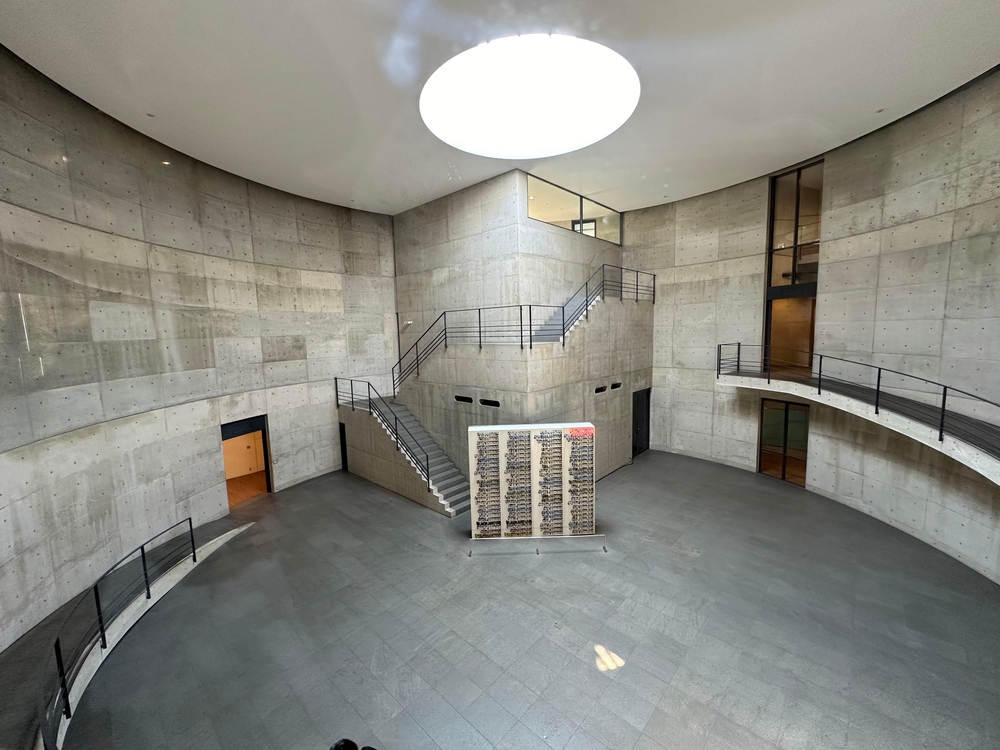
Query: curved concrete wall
pixel 145 298
pixel 909 279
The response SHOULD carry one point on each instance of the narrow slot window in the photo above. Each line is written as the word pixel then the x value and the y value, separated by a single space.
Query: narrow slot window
pixel 489 402
pixel 600 389
pixel 615 386
pixel 464 399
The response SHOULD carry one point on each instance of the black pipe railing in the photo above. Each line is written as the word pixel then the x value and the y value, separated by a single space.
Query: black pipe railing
pixel 948 410
pixel 360 394
pixel 86 625
pixel 523 325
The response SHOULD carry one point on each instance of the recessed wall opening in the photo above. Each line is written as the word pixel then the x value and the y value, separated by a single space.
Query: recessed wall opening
pixel 615 386
pixel 640 420
pixel 246 459
pixel 600 389
pixel 490 402
pixel 464 399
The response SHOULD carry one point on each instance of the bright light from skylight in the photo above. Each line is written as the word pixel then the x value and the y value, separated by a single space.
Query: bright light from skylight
pixel 531 96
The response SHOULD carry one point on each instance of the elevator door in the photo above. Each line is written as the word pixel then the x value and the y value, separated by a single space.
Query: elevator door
pixel 640 421
pixel 784 438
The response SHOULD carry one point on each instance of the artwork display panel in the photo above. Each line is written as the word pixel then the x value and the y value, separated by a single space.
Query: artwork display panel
pixel 532 480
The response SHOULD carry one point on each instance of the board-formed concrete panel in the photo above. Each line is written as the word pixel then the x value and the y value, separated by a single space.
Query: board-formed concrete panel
pixel 909 264
pixel 146 298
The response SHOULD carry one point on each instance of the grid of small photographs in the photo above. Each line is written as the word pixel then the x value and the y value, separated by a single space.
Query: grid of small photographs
pixel 485 472
pixel 579 480
pixel 549 481
pixel 517 483
pixel 532 480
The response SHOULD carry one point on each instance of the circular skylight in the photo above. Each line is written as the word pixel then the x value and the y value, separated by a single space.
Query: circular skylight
pixel 530 96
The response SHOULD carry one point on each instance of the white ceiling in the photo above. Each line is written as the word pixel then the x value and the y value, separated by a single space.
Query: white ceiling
pixel 319 97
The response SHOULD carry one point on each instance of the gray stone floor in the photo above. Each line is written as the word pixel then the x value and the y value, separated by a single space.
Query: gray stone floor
pixel 743 612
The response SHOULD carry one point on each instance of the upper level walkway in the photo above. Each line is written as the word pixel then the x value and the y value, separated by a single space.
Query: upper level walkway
pixel 524 325
pixel 961 425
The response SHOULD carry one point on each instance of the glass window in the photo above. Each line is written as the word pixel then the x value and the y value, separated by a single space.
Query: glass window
pixel 607 223
pixel 555 205
pixel 783 228
pixel 796 210
pixel 784 440
pixel 552 204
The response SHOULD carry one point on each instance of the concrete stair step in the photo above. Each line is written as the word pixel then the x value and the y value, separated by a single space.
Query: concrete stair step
pixel 454 483
pixel 445 476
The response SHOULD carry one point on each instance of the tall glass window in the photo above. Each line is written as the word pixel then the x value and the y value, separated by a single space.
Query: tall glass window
pixel 796 202
pixel 555 205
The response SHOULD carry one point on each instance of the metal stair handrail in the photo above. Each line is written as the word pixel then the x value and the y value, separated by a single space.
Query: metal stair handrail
pixel 520 324
pixel 85 626
pixel 759 360
pixel 379 408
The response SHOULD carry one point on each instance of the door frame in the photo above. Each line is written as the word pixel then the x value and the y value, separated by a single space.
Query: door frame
pixel 245 427
pixel 784 440
pixel 648 397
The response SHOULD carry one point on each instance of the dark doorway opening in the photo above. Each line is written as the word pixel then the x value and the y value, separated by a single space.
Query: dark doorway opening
pixel 343 446
pixel 640 421
pixel 247 459
pixel 784 440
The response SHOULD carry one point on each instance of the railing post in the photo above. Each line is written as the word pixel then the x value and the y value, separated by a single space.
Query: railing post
pixel 636 286
pixel 654 288
pixel 395 420
pixel 718 361
pixel 351 381
pixel 586 296
pixel 100 615
pixel 480 312
pixel 603 291
pixel 370 399
pixel 531 338
pixel 62 681
pixel 145 571
pixel 520 323
pixel 445 329
pixel 878 388
pixel 820 383
pixel 563 309
pixel 621 283
pixel 739 345
pixel 194 550
pixel 427 465
pixel 336 391
pixel 944 398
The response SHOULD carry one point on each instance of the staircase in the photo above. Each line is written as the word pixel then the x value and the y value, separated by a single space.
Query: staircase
pixel 524 325
pixel 511 325
pixel 443 478
pixel 446 481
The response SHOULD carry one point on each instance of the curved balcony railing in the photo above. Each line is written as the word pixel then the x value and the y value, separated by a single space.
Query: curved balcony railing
pixel 523 325
pixel 86 625
pixel 970 418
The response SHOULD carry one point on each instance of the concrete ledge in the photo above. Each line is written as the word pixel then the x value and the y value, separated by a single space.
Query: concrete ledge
pixel 129 617
pixel 966 454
